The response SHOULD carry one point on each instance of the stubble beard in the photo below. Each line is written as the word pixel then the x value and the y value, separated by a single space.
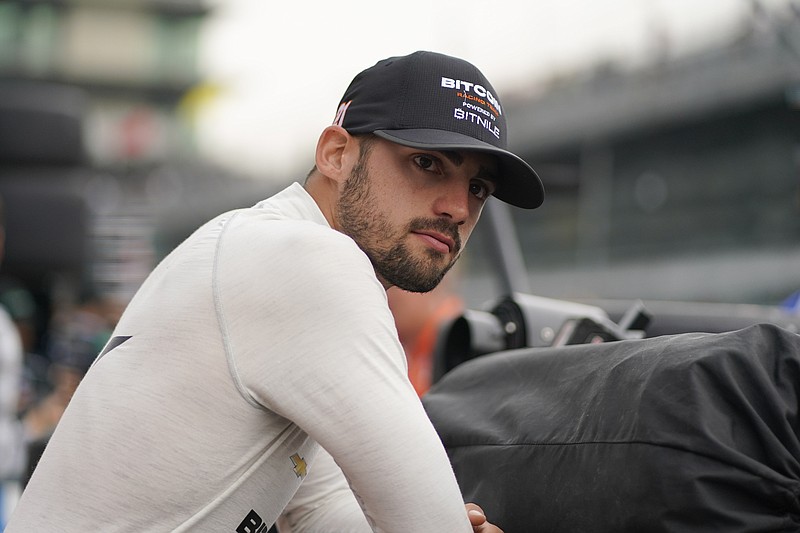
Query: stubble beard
pixel 391 258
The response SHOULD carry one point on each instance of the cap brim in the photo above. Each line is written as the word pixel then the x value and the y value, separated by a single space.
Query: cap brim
pixel 518 184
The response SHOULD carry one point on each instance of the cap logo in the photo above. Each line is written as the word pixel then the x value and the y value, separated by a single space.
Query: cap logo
pixel 478 104
pixel 480 91
pixel 339 119
pixel 460 114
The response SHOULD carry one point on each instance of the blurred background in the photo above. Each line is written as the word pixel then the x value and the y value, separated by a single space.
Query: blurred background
pixel 667 133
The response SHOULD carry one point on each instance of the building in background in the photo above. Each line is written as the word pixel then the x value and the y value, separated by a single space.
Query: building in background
pixel 135 60
pixel 96 141
pixel 678 181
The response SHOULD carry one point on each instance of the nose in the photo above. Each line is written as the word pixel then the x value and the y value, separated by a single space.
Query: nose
pixel 452 201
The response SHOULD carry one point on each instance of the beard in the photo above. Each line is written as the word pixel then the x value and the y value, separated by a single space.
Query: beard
pixel 393 261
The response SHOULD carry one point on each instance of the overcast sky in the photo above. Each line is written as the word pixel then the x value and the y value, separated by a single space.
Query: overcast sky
pixel 283 66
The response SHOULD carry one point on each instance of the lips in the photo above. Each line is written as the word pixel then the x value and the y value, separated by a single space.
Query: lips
pixel 437 240
pixel 439 234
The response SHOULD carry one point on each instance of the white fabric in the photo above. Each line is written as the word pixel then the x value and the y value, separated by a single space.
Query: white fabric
pixel 12 444
pixel 261 337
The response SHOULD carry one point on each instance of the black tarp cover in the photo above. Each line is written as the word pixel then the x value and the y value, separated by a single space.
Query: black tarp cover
pixel 687 433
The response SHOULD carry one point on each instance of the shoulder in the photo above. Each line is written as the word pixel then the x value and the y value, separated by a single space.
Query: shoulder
pixel 301 242
pixel 293 255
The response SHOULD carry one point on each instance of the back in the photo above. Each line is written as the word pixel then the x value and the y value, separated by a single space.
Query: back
pixel 158 424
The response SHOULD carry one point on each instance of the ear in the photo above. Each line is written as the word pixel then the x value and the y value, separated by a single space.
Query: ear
pixel 335 152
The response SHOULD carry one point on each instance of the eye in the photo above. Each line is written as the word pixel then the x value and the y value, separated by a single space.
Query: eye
pixel 427 162
pixel 481 189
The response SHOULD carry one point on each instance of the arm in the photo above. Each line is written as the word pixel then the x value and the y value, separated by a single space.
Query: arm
pixel 323 503
pixel 318 346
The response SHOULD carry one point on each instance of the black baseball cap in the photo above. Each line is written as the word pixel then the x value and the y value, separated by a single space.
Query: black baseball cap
pixel 438 102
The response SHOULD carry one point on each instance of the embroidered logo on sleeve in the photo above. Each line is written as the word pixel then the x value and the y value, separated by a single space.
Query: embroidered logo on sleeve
pixel 300 467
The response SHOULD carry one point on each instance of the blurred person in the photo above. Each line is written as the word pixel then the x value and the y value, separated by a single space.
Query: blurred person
pixel 419 318
pixel 21 306
pixel 257 375
pixel 76 338
pixel 12 447
pixel 36 383
pixel 74 343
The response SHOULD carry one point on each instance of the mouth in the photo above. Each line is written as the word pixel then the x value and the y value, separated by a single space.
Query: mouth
pixel 438 241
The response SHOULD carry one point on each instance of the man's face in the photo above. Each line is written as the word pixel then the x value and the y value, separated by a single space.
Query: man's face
pixel 411 210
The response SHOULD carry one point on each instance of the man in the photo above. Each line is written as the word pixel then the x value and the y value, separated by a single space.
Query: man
pixel 259 362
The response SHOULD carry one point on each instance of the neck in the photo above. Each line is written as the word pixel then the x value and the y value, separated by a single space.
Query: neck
pixel 324 191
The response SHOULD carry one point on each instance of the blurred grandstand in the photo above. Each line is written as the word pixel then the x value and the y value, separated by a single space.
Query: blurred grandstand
pixel 675 183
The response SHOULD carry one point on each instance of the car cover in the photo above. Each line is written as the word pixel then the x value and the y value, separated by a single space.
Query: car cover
pixel 694 432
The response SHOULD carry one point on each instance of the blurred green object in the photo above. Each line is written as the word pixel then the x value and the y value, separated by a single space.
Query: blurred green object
pixel 18 302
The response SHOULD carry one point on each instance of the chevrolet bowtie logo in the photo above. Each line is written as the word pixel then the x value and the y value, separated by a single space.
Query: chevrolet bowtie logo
pixel 299 465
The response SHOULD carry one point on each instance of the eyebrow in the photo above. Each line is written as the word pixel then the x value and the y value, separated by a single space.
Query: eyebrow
pixel 486 174
pixel 456 158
